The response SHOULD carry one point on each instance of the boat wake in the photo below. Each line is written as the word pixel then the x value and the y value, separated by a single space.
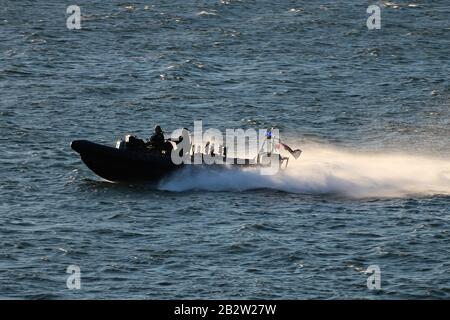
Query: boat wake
pixel 328 170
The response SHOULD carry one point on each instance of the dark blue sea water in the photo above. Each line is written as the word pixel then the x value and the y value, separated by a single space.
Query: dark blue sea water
pixel 369 108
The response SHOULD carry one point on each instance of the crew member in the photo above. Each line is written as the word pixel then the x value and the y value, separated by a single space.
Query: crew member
pixel 157 139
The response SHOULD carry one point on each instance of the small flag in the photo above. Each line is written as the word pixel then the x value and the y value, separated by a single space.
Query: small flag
pixel 295 153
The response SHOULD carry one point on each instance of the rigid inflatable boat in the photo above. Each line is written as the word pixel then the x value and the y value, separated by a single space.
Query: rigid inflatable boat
pixel 131 160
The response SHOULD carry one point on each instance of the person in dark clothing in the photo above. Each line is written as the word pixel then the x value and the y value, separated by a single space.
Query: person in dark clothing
pixel 157 139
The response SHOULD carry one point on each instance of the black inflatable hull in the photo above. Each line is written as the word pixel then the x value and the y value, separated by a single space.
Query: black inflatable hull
pixel 123 165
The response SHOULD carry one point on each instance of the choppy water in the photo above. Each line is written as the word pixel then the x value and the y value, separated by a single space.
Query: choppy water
pixel 370 109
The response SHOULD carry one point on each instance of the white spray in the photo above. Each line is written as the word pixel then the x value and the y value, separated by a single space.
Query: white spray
pixel 328 170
